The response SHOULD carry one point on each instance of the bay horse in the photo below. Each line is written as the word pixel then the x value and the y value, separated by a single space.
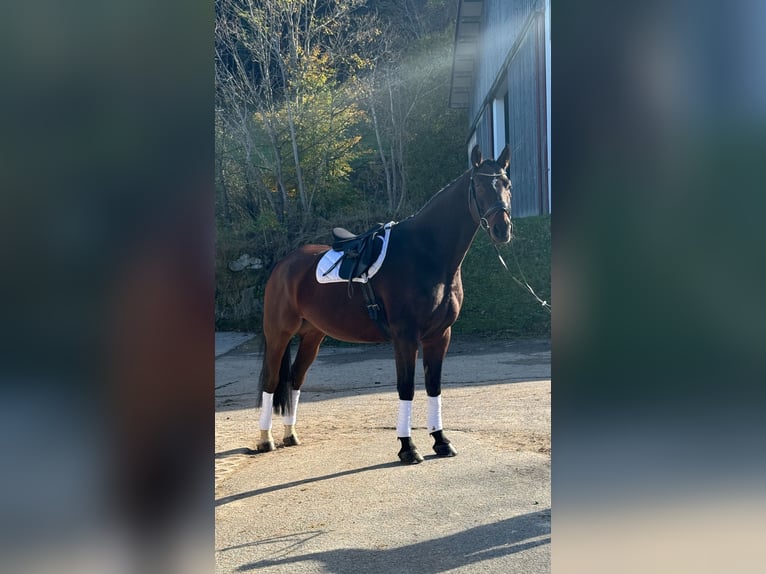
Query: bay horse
pixel 418 286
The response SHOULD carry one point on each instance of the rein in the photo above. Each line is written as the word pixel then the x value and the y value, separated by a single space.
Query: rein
pixel 525 284
pixel 484 224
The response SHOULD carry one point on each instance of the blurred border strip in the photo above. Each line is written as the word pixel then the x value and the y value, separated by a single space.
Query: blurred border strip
pixel 106 156
pixel 658 140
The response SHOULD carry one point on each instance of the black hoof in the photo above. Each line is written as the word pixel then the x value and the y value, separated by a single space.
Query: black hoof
pixel 291 440
pixel 265 447
pixel 410 456
pixel 442 445
pixel 444 449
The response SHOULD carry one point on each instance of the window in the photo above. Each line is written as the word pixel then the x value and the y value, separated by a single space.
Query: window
pixel 499 124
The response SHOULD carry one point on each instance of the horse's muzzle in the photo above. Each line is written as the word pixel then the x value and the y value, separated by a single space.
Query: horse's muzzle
pixel 500 232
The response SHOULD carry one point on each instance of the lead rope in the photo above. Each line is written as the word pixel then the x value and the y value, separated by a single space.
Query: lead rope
pixel 484 224
pixel 525 284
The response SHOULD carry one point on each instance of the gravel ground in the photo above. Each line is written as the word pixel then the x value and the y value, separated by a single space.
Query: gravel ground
pixel 341 502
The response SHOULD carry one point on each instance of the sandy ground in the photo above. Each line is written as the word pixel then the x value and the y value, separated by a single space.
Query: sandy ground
pixel 341 502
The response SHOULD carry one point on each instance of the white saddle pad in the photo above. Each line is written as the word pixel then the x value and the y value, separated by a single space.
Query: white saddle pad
pixel 331 257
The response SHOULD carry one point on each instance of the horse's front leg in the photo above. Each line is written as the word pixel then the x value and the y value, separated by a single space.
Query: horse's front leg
pixel 434 351
pixel 406 352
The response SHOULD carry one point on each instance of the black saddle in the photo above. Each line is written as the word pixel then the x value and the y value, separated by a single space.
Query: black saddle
pixel 359 251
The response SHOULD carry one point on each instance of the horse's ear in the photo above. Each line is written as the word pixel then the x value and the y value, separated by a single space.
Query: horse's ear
pixel 504 160
pixel 475 156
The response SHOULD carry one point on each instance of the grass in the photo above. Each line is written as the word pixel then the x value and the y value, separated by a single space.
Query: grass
pixel 495 306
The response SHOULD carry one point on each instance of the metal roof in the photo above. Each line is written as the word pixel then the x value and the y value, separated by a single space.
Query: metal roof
pixel 464 56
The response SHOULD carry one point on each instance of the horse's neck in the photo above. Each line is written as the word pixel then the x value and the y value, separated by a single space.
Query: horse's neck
pixel 447 222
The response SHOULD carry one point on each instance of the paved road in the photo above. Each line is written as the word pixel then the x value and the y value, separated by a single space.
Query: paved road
pixel 342 503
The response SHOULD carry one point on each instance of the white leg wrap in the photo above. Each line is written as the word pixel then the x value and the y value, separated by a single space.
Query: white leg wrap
pixel 267 406
pixel 288 419
pixel 404 422
pixel 434 413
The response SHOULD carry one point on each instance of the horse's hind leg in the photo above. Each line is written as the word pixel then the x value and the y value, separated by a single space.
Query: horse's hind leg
pixel 310 340
pixel 434 351
pixel 275 373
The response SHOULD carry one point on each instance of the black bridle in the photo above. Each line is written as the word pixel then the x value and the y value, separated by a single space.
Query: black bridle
pixel 484 224
pixel 499 206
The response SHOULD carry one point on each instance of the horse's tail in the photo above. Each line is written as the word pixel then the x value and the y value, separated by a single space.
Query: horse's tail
pixel 282 394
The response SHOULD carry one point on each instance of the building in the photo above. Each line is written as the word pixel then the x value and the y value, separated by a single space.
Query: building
pixel 501 74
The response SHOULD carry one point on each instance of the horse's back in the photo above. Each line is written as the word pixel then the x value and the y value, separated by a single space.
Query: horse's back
pixel 293 292
pixel 281 293
pixel 298 260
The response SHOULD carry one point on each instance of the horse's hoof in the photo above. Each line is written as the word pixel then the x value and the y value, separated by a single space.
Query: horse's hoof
pixel 291 440
pixel 444 449
pixel 266 446
pixel 410 457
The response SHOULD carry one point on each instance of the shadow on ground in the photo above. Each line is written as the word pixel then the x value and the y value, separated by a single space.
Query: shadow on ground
pixel 486 542
pixel 241 495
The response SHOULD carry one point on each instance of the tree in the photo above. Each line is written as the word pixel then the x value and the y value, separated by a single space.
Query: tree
pixel 281 72
pixel 409 77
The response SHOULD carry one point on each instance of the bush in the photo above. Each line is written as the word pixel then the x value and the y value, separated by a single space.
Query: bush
pixel 494 304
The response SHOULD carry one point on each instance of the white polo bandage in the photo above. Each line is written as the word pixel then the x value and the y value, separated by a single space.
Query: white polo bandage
pixel 404 421
pixel 267 405
pixel 434 413
pixel 288 419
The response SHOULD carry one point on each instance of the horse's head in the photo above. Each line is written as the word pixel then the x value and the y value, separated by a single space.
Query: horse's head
pixel 490 194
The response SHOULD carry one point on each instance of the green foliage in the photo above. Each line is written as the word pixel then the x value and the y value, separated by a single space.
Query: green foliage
pixel 494 304
pixel 327 128
pixel 286 113
pixel 435 150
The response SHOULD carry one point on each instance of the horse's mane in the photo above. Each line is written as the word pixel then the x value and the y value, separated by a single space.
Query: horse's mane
pixel 435 195
pixel 450 184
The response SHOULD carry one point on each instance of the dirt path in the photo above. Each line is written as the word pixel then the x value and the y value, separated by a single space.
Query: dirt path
pixel 342 503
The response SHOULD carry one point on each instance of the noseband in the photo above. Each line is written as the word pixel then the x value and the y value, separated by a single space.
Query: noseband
pixel 499 206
